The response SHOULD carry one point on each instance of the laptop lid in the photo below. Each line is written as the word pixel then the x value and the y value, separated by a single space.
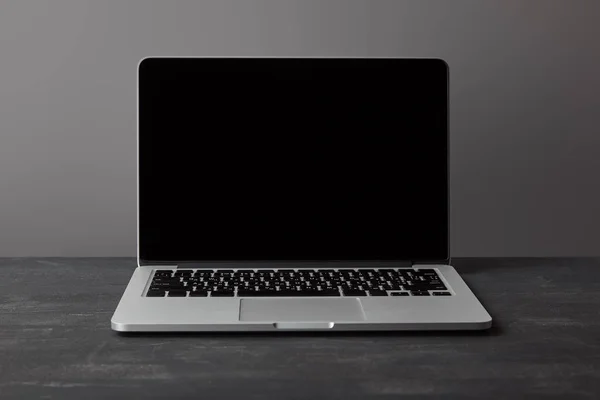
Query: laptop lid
pixel 292 159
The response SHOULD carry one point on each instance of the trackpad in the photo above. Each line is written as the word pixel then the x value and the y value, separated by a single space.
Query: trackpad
pixel 301 310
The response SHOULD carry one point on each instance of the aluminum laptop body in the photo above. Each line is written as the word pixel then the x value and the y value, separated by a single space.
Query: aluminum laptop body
pixel 290 194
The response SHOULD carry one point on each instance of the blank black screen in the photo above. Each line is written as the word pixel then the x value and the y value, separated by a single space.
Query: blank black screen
pixel 293 159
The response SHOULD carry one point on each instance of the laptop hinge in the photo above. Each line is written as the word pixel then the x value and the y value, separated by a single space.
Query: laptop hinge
pixel 292 264
pixel 420 263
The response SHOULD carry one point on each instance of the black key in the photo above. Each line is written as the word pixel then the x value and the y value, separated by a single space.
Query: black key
pixel 227 293
pixel 268 293
pixel 177 293
pixel 158 278
pixel 422 288
pixel 327 271
pixel 175 286
pixel 224 270
pixel 427 271
pixel 155 293
pixel 386 271
pixel 287 293
pixel 418 280
pixel 199 293
pixel 327 292
pixel 442 294
pixel 377 293
pixel 319 293
pixel 183 273
pixel 400 294
pixel 437 287
pixel 172 283
pixel 354 292
pixel 419 293
pixel 162 279
pixel 161 286
pixel 165 279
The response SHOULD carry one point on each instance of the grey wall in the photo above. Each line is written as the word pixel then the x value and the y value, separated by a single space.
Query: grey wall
pixel 525 84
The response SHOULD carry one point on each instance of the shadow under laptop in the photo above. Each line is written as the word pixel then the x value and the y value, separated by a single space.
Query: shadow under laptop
pixel 495 330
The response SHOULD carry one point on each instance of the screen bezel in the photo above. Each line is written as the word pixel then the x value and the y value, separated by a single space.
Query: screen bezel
pixel 444 258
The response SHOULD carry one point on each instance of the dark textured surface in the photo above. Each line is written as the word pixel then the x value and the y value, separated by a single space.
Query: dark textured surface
pixel 56 342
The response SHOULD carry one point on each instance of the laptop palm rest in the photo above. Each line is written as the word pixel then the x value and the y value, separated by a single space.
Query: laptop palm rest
pixel 311 313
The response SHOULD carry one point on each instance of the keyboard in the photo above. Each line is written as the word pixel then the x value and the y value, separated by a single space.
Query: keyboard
pixel 296 283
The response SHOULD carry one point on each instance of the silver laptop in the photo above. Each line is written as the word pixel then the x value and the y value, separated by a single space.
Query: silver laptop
pixel 293 194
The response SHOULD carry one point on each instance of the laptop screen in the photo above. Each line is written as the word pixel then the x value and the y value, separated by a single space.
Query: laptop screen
pixel 293 159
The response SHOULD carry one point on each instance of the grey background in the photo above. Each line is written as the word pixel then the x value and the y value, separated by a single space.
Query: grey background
pixel 524 108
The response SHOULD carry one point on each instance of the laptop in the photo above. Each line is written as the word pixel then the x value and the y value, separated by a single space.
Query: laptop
pixel 294 194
